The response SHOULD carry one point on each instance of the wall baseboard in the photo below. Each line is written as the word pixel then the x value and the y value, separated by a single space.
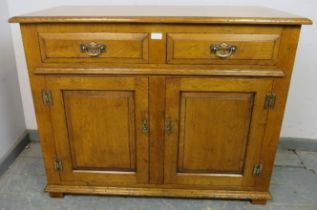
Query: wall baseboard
pixel 290 143
pixel 33 135
pixel 14 152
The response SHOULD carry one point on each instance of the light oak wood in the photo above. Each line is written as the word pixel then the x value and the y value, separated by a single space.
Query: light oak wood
pixel 275 117
pixel 164 14
pixel 96 119
pixel 200 151
pixel 98 126
pixel 196 48
pixel 119 47
pixel 157 113
pixel 208 120
pixel 164 70
pixel 73 47
pixel 43 116
pixel 56 195
pixel 185 193
pixel 157 110
pixel 258 202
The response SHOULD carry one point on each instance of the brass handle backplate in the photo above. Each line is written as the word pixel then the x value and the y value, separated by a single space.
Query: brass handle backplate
pixel 223 50
pixel 93 49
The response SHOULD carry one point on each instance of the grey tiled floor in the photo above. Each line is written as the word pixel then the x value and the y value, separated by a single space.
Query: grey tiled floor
pixel 294 186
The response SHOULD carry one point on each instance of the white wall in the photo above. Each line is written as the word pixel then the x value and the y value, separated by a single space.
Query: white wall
pixel 12 123
pixel 301 113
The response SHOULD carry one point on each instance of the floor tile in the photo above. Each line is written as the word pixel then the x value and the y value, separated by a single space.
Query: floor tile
pixel 293 207
pixel 40 200
pixel 29 201
pixel 139 203
pixel 309 159
pixel 27 166
pixel 244 205
pixel 14 202
pixel 22 184
pixel 293 188
pixel 287 158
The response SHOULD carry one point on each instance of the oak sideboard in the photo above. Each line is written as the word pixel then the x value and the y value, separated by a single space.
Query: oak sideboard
pixel 172 101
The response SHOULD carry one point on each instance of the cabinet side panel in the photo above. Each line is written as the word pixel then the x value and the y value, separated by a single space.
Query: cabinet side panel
pixel 287 54
pixel 43 119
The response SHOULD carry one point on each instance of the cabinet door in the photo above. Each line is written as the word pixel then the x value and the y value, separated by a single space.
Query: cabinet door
pixel 213 130
pixel 100 128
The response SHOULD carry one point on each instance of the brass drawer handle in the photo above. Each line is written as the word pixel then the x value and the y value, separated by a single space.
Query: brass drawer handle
pixel 93 49
pixel 223 50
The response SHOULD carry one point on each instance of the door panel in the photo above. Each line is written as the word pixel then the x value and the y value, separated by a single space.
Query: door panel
pixel 98 122
pixel 96 115
pixel 204 138
pixel 217 127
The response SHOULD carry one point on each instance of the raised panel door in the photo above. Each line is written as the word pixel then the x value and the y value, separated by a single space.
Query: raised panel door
pixel 100 126
pixel 214 129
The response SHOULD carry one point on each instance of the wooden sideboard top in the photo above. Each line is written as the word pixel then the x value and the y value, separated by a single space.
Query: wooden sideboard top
pixel 163 14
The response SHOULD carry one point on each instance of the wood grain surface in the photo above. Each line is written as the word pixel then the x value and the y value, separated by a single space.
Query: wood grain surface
pixel 164 14
pixel 160 116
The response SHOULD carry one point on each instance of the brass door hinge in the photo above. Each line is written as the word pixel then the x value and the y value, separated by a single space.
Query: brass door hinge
pixel 58 165
pixel 270 101
pixel 257 170
pixel 47 97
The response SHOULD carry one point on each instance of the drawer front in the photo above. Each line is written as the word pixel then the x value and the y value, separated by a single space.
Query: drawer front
pixel 94 47
pixel 204 48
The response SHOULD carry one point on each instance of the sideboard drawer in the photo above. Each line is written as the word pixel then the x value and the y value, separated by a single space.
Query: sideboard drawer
pixel 204 48
pixel 94 47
